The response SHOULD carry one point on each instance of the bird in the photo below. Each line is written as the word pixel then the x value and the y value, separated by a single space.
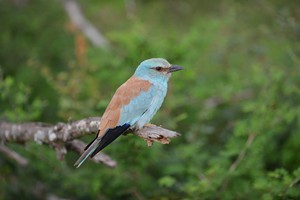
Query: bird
pixel 133 105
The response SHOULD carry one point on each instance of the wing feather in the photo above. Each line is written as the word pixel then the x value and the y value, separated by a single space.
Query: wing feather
pixel 125 95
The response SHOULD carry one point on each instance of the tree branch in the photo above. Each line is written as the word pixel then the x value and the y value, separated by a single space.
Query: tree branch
pixel 13 155
pixel 238 160
pixel 242 153
pixel 78 146
pixel 62 136
pixel 77 17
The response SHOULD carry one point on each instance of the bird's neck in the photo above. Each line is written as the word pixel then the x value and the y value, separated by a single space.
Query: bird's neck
pixel 154 79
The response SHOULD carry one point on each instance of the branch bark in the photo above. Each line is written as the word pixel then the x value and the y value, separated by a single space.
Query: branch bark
pixel 13 155
pixel 63 136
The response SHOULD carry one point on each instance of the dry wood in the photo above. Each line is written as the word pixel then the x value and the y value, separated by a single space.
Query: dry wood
pixel 63 136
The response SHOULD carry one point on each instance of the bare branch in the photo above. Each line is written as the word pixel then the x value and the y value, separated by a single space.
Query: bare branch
pixel 236 163
pixel 62 135
pixel 47 133
pixel 77 17
pixel 78 146
pixel 152 133
pixel 242 153
pixel 15 156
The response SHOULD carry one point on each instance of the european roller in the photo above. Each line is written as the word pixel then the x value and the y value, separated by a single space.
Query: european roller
pixel 134 103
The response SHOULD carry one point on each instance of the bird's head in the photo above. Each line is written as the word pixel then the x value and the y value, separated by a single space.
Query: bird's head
pixel 156 69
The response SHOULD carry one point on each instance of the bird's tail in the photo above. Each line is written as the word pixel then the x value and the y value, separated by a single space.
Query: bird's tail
pixel 100 143
pixel 88 151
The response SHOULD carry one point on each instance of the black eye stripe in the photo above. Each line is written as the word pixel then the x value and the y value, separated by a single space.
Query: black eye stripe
pixel 158 68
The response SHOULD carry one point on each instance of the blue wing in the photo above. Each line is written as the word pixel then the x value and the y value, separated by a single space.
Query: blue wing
pixel 142 108
pixel 132 112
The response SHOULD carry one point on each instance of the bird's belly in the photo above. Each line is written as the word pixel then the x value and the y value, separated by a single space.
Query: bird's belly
pixel 159 93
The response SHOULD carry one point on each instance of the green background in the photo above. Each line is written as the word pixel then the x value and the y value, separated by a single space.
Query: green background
pixel 236 104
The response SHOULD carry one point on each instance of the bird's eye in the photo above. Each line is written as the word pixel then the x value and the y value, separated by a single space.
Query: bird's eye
pixel 158 68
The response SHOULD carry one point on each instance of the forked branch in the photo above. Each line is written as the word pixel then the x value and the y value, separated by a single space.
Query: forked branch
pixel 63 136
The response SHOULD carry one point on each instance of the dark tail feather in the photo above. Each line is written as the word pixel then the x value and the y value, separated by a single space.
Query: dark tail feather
pixel 110 136
pixel 99 143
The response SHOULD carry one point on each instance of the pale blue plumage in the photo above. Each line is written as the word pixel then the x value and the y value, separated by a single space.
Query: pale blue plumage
pixel 142 108
pixel 134 103
pixel 145 71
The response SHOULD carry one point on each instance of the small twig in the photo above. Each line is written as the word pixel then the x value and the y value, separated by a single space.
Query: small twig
pixel 242 154
pixel 78 146
pixel 13 155
pixel 294 182
pixel 236 163
pixel 152 133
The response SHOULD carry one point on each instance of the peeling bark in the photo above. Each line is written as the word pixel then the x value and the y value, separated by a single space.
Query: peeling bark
pixel 63 136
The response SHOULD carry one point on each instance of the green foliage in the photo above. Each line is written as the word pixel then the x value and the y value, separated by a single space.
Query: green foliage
pixel 15 102
pixel 236 103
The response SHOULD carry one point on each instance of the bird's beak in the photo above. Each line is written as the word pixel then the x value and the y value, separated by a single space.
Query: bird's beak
pixel 175 68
